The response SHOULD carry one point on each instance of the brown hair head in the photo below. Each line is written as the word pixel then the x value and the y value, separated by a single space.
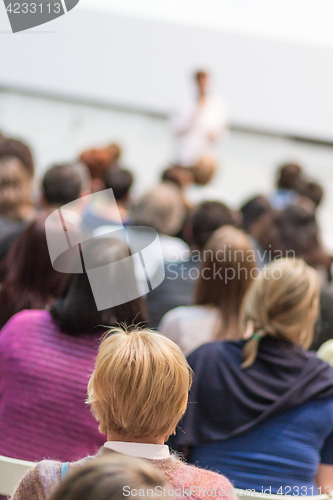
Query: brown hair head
pixel 30 280
pixel 15 189
pixel 18 149
pixel 228 268
pixel 290 176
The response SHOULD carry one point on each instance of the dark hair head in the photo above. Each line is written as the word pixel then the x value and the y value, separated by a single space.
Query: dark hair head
pixel 298 229
pixel 290 177
pixel 295 233
pixel 30 282
pixel 76 311
pixel 105 478
pixel 20 150
pixel 119 180
pixel 253 210
pixel 207 218
pixel 15 189
pixel 63 184
pixel 314 192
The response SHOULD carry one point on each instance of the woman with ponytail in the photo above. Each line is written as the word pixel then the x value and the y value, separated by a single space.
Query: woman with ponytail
pixel 261 409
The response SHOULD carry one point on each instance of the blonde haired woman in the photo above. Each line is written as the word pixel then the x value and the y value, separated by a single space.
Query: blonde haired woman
pixel 262 408
pixel 137 392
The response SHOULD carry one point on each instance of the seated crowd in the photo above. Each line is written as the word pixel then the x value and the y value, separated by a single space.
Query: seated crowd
pixel 94 380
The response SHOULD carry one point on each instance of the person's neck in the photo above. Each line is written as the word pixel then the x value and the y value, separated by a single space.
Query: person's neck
pixel 114 436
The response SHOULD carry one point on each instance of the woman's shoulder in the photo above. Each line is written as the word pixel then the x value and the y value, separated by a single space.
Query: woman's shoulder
pixel 190 312
pixel 205 483
pixel 27 319
pixel 173 316
pixel 39 482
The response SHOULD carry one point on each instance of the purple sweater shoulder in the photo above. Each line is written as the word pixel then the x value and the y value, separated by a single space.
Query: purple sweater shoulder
pixel 43 383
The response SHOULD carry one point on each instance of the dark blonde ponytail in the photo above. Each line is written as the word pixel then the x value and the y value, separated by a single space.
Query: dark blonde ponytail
pixel 250 349
pixel 282 302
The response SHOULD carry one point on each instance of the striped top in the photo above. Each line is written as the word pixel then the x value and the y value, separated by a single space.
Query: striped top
pixel 43 386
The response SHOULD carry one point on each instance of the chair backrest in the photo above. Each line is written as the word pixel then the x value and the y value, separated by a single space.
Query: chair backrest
pixel 11 472
pixel 254 495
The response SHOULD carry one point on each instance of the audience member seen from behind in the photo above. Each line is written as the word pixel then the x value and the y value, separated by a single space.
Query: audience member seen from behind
pixel 98 160
pixel 314 192
pixel 15 201
pixel 63 184
pixel 248 393
pixel 46 358
pixel 253 211
pixel 227 268
pixel 182 178
pixel 178 175
pixel 290 181
pixel 111 208
pixel 28 279
pixel 10 148
pixel 294 232
pixel 258 215
pixel 203 189
pixel 163 209
pixel 181 276
pixel 138 392
pixel 113 478
pixel 15 194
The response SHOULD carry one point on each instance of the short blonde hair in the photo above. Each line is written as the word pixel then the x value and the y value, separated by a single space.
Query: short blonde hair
pixel 140 384
pixel 283 302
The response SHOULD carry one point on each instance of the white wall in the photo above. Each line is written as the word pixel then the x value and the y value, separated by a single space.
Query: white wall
pixel 277 83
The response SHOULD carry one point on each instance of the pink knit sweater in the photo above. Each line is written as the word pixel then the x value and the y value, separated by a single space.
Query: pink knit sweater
pixel 43 384
pixel 186 480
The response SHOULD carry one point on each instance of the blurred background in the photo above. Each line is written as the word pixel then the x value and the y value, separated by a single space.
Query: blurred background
pixel 115 71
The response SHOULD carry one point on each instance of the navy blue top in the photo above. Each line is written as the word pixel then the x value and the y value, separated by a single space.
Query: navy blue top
pixel 284 451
